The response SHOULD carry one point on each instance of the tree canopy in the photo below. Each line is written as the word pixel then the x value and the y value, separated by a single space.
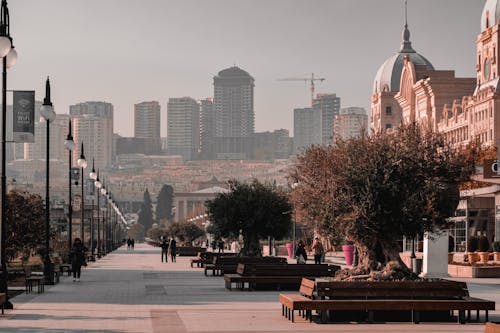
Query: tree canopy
pixel 146 212
pixel 164 203
pixel 186 232
pixel 375 190
pixel 25 228
pixel 256 210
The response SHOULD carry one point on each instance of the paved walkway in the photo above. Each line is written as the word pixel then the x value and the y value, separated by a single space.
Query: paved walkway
pixel 132 291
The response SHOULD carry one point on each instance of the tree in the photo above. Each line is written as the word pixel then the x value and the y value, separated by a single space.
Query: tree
pixel 257 210
pixel 146 212
pixel 136 231
pixel 186 232
pixel 164 203
pixel 376 190
pixel 25 228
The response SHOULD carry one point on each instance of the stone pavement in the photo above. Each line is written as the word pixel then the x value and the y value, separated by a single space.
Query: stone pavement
pixel 132 291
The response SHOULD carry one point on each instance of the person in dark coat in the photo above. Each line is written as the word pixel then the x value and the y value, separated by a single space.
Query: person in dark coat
pixel 77 258
pixel 300 253
pixel 164 249
pixel 173 249
pixel 220 245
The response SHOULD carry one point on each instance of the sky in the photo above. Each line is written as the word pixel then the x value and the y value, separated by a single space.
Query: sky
pixel 125 52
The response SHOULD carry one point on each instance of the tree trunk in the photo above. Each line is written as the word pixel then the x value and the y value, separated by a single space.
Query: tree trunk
pixel 251 246
pixel 376 256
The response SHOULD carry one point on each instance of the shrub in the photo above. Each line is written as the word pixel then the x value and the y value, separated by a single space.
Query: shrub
pixel 483 244
pixel 473 243
pixel 496 246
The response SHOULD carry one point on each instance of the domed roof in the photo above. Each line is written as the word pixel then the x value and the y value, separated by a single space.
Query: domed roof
pixel 233 71
pixel 389 74
pixel 492 8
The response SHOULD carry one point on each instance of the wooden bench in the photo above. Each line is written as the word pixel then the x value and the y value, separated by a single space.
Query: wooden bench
pixel 229 264
pixel 34 278
pixel 278 275
pixel 204 258
pixel 189 251
pixel 365 296
pixel 489 328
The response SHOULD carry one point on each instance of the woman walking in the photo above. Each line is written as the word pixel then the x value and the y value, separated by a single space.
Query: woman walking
pixel 77 258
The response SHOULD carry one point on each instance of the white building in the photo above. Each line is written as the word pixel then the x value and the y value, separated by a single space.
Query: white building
pixel 93 125
pixel 147 123
pixel 183 127
pixel 350 123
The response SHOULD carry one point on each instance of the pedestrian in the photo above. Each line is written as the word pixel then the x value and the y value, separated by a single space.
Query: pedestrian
pixel 214 244
pixel 77 258
pixel 300 253
pixel 129 243
pixel 207 243
pixel 132 243
pixel 220 245
pixel 318 250
pixel 235 247
pixel 173 249
pixel 164 249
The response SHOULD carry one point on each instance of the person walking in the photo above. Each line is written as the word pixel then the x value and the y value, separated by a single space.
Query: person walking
pixel 220 245
pixel 132 243
pixel 318 250
pixel 77 258
pixel 164 249
pixel 173 249
pixel 300 253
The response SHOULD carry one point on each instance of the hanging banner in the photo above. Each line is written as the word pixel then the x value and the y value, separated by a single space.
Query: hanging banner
pixel 24 116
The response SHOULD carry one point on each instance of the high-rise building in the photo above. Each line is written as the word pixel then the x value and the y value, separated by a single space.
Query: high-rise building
pixel 93 125
pixel 58 132
pixel 234 113
pixel 329 105
pixel 306 128
pixel 207 128
pixel 183 127
pixel 350 123
pixel 147 124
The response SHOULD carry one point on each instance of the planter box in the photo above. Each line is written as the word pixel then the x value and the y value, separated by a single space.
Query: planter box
pixel 474 271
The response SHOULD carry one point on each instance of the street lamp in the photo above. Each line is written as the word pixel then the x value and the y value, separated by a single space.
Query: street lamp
pixel 47 112
pixel 70 145
pixel 93 176
pixel 82 163
pixel 104 218
pixel 98 186
pixel 9 55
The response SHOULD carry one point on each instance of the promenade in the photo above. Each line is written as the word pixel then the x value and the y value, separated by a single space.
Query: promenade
pixel 132 291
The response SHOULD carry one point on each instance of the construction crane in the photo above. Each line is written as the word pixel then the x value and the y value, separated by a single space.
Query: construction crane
pixel 306 79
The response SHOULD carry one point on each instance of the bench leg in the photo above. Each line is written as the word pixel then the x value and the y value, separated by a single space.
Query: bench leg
pixel 468 315
pixel 370 316
pixel 310 315
pixel 461 316
pixel 282 310
pixel 477 315
pixel 486 316
pixel 415 316
pixel 293 318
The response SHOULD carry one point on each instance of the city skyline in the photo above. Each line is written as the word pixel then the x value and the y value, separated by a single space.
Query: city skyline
pixel 125 53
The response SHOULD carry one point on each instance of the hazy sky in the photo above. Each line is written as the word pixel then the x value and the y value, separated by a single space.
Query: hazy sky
pixel 125 52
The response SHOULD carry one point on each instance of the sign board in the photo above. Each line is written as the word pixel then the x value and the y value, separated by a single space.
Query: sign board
pixel 24 116
pixel 490 169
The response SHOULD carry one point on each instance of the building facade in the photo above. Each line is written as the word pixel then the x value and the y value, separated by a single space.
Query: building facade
pixel 306 128
pixel 329 106
pixel 234 112
pixel 93 125
pixel 350 123
pixel 147 124
pixel 207 129
pixel 183 127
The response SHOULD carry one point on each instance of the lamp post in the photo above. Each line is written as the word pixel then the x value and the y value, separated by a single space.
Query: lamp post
pixel 82 163
pixel 93 176
pixel 47 112
pixel 9 55
pixel 98 186
pixel 104 220
pixel 70 145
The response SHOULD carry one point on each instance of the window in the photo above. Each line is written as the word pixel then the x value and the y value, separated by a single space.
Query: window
pixel 388 111
pixel 388 126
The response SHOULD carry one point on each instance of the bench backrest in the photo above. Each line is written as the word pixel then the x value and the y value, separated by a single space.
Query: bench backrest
pixel 307 288
pixel 235 260
pixel 393 289
pixel 283 269
pixel 492 328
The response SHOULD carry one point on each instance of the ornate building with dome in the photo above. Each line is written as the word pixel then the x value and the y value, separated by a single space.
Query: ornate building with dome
pixel 407 88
